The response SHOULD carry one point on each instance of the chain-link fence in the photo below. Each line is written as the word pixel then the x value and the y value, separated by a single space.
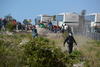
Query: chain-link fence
pixel 85 30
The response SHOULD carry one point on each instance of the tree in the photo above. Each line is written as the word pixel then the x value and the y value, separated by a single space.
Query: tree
pixel 26 21
pixel 10 22
pixel 8 17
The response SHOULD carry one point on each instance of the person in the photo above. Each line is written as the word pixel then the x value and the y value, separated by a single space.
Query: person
pixel 62 28
pixel 69 29
pixel 19 26
pixel 50 26
pixel 5 21
pixel 1 23
pixel 70 40
pixel 34 32
pixel 65 27
pixel 14 23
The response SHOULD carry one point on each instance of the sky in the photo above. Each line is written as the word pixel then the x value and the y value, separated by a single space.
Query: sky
pixel 29 9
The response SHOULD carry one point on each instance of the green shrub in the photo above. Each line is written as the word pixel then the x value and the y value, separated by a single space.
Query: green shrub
pixel 10 54
pixel 39 53
pixel 6 54
pixel 73 58
pixel 10 26
pixel 97 43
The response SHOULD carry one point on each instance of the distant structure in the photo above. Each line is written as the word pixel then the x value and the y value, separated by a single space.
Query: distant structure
pixel 71 19
pixel 93 22
pixel 79 22
pixel 43 19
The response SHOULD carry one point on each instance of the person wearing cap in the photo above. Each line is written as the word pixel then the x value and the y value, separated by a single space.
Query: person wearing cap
pixel 70 40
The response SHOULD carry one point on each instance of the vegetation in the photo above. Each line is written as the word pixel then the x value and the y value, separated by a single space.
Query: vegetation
pixel 10 26
pixel 38 52
pixel 91 53
pixel 42 52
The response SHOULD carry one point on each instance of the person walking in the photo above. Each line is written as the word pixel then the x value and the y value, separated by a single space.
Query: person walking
pixel 34 32
pixel 70 40
pixel 1 23
pixel 69 29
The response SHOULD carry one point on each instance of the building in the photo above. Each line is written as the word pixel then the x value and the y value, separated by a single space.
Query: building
pixel 43 19
pixel 88 23
pixel 71 19
pixel 94 21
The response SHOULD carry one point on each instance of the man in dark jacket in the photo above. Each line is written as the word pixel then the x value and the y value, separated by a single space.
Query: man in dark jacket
pixel 70 40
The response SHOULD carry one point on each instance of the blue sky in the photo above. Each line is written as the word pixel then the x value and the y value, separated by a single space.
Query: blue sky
pixel 29 9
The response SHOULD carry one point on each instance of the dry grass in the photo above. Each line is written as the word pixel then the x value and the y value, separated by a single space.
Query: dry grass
pixel 58 39
pixel 90 49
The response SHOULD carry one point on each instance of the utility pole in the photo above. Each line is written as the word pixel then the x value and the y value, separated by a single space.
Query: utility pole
pixel 82 21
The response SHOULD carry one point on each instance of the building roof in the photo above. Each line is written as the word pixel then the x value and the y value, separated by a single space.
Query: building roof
pixel 94 14
pixel 66 13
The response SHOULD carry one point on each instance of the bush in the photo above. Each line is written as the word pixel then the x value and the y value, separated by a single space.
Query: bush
pixel 6 54
pixel 40 53
pixel 10 53
pixel 10 26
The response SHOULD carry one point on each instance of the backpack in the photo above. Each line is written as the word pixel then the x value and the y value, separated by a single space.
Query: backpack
pixel 70 40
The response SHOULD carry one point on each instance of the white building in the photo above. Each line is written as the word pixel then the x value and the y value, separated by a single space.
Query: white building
pixel 43 19
pixel 94 20
pixel 71 19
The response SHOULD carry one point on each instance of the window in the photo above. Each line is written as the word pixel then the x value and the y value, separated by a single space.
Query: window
pixel 38 19
pixel 59 18
pixel 90 18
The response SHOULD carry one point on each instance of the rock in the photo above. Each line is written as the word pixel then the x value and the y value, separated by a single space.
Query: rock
pixel 24 41
pixel 9 33
pixel 81 64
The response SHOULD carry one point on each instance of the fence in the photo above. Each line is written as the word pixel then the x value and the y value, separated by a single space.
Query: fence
pixel 92 35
